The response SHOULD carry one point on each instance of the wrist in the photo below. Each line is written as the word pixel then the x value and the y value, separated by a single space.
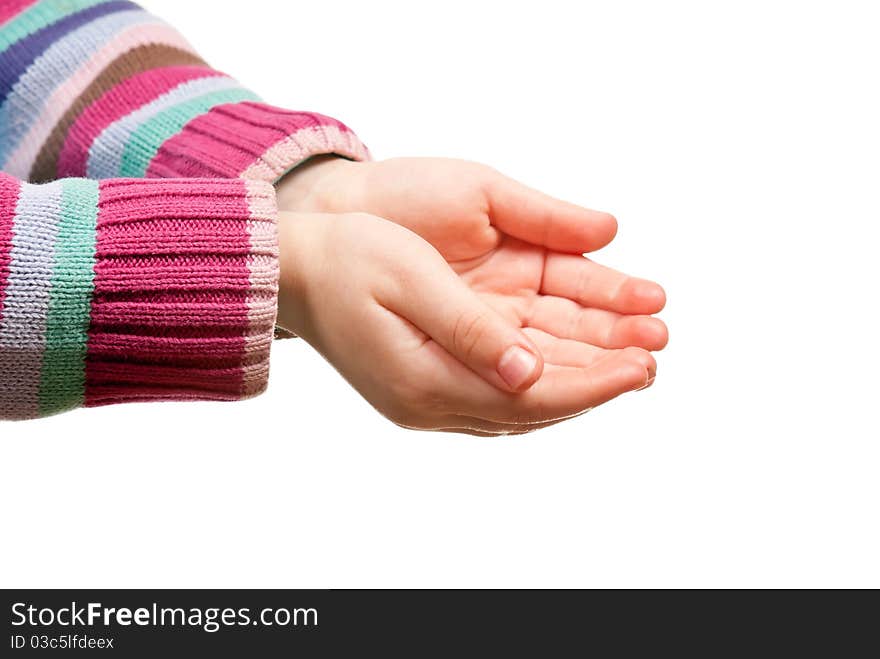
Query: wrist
pixel 301 246
pixel 322 184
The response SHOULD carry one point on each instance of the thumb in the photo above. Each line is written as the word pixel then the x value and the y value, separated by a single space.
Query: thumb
pixel 438 302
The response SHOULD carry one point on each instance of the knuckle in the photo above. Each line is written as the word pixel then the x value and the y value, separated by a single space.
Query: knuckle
pixel 468 330
pixel 489 179
pixel 582 281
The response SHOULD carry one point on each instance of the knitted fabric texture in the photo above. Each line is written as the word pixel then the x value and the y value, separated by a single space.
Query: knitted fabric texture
pixel 122 290
pixel 103 89
pixel 151 273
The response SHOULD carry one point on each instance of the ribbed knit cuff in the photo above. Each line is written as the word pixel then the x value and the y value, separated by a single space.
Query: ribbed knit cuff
pixel 133 290
pixel 254 141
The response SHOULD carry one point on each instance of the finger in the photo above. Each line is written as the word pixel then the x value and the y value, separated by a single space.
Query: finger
pixel 437 301
pixel 566 352
pixel 567 319
pixel 560 393
pixel 563 391
pixel 540 219
pixel 568 391
pixel 592 285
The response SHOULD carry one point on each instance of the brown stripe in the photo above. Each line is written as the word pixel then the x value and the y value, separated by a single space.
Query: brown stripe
pixel 137 60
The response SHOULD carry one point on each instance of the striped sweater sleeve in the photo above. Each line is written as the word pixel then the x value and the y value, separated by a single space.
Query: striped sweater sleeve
pixel 103 89
pixel 134 290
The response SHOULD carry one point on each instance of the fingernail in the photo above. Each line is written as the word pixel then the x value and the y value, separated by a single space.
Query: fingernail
pixel 516 365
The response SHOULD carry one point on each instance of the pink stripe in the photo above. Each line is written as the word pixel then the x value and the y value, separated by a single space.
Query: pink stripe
pixel 9 191
pixel 135 356
pixel 114 191
pixel 137 374
pixel 104 394
pixel 171 351
pixel 120 101
pixel 9 8
pixel 187 310
pixel 226 140
pixel 60 100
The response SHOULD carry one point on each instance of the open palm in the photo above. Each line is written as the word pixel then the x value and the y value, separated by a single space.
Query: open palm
pixel 520 249
pixel 576 311
pixel 521 252
pixel 589 322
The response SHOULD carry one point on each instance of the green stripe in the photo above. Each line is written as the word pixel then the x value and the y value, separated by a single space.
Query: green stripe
pixel 63 377
pixel 145 142
pixel 36 17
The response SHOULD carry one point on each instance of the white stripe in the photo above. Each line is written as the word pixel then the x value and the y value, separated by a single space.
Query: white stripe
pixel 28 290
pixel 263 278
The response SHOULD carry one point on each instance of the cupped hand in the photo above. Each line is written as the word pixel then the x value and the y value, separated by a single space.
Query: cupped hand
pixel 421 343
pixel 520 249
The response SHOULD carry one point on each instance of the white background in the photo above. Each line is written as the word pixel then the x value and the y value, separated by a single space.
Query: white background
pixel 739 149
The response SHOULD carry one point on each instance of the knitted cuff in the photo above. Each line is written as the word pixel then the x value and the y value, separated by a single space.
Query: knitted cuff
pixel 254 141
pixel 130 290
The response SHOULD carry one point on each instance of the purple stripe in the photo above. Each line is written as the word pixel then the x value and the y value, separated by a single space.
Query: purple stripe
pixel 16 60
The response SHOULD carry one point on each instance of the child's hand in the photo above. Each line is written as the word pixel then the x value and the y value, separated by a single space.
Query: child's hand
pixel 421 345
pixel 518 247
